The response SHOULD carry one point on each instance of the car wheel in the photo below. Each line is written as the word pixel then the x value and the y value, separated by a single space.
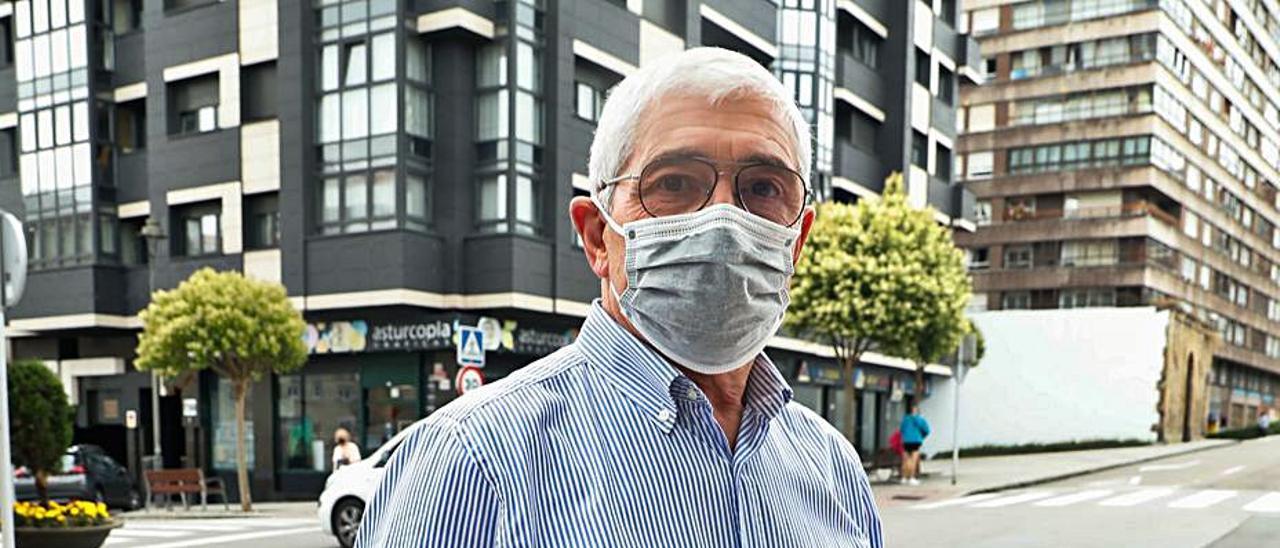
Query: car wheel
pixel 346 521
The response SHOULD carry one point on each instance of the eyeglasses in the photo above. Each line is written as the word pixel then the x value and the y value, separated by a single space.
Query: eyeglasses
pixel 684 185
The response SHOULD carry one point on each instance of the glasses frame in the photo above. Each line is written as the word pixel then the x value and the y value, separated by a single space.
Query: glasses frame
pixel 718 168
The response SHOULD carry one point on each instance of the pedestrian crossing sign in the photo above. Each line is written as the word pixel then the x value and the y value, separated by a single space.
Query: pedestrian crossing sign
pixel 470 346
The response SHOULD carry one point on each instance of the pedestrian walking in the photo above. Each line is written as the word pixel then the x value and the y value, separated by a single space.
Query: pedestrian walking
pixel 914 431
pixel 698 212
pixel 1264 421
pixel 345 451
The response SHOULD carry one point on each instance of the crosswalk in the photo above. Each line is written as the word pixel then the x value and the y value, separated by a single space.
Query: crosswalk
pixel 189 533
pixel 1169 497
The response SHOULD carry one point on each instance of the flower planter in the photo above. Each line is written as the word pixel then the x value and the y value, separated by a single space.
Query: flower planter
pixel 63 537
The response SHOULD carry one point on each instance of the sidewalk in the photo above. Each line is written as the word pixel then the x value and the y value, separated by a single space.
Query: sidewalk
pixel 985 474
pixel 216 511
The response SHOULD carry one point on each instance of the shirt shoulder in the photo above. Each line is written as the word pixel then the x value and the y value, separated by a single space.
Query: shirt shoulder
pixel 808 425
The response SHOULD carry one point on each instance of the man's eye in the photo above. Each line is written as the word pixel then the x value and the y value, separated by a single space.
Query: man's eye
pixel 673 183
pixel 762 188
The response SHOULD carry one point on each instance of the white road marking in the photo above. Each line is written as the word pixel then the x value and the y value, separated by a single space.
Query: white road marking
pixel 1135 480
pixel 1269 503
pixel 1073 498
pixel 206 540
pixel 1137 497
pixel 145 533
pixel 956 501
pixel 1203 499
pixel 1176 466
pixel 1232 470
pixel 1012 500
pixel 192 527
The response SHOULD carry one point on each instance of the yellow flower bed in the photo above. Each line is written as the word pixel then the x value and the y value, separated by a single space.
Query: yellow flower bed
pixel 78 513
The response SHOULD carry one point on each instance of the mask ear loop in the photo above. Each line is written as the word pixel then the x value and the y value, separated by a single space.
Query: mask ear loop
pixel 614 226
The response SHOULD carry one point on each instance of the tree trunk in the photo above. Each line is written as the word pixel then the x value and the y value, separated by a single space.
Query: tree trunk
pixel 919 392
pixel 42 486
pixel 850 399
pixel 242 457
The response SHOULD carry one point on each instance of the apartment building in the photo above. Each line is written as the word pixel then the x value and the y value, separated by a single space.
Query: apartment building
pixel 402 167
pixel 1124 153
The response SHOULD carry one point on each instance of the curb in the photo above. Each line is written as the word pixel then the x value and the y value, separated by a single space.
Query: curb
pixel 1093 470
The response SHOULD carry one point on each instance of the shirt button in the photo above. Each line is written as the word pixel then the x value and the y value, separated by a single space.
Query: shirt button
pixel 692 394
pixel 664 415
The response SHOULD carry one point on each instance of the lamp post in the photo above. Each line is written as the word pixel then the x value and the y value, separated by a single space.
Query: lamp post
pixel 154 233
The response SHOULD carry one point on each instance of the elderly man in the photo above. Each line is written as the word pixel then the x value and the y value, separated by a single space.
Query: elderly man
pixel 663 424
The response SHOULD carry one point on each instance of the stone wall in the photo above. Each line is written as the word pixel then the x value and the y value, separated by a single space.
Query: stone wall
pixel 1183 385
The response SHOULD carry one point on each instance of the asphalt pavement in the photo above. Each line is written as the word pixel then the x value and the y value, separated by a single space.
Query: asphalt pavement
pixel 1224 497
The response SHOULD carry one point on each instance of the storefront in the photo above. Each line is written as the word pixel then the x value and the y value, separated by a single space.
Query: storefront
pixel 373 376
pixel 883 395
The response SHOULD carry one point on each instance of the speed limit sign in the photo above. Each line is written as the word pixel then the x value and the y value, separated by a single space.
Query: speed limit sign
pixel 469 378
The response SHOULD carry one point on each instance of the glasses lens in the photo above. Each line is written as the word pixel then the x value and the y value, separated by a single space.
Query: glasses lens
pixel 672 187
pixel 775 193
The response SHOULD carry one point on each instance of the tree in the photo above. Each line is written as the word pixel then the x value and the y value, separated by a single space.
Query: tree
pixel 879 275
pixel 40 421
pixel 240 328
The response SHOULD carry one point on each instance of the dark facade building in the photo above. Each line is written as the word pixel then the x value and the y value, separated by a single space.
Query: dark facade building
pixel 1125 153
pixel 403 168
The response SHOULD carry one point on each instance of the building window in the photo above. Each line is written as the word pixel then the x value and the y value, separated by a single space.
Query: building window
pixel 358 202
pixel 262 221
pixel 979 258
pixel 1017 257
pixel 947 11
pixel 942 162
pixel 417 201
pixel 982 212
pixel 193 105
pixel 588 102
pixel 919 150
pixel 126 15
pixel 859 41
pixel 946 85
pixel 922 68
pixel 1091 297
pixel 1015 300
pixel 309 407
pixel 199 232
pixel 864 131
pixel 131 126
pixel 258 92
pixel 133 247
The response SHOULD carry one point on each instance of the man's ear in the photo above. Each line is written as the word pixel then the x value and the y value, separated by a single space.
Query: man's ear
pixel 590 224
pixel 806 223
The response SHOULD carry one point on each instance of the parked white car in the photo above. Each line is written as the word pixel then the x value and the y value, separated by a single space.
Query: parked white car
pixel 349 488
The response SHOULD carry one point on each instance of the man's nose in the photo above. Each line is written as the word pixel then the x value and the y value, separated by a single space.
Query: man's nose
pixel 724 192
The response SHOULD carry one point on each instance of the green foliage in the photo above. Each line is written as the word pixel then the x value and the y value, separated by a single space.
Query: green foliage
pixel 881 275
pixel 1246 433
pixel 1026 448
pixel 40 419
pixel 239 327
pixel 243 329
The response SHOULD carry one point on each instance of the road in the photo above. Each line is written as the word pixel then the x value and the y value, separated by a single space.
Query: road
pixel 1222 498
pixel 287 532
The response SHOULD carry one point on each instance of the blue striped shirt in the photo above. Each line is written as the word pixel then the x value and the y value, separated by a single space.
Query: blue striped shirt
pixel 603 443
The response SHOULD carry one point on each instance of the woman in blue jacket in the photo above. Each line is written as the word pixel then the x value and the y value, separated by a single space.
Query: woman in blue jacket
pixel 914 430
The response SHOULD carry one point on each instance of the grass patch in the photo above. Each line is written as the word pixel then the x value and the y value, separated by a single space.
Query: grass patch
pixel 1057 447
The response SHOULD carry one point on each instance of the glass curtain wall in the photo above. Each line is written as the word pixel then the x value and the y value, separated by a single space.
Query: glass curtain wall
pixel 510 119
pixel 57 163
pixel 806 66
pixel 371 74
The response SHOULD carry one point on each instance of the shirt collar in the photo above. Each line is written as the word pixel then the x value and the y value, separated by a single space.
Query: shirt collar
pixel 649 381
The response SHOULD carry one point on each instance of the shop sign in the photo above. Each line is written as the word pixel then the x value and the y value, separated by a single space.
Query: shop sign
pixel 441 333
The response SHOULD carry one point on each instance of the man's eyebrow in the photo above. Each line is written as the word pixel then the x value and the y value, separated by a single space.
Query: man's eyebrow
pixel 754 158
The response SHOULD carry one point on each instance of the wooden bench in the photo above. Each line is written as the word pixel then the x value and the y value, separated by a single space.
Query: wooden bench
pixel 181 482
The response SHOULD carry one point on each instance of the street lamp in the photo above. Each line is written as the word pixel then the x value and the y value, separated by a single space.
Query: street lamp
pixel 154 233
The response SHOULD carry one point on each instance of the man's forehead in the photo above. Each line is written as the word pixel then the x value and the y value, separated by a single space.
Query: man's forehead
pixel 747 128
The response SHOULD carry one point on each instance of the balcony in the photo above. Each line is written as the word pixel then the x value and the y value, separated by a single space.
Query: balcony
pixel 1133 209
pixel 862 80
pixel 858 165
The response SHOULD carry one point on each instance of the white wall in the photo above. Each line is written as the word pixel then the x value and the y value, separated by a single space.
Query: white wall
pixel 1056 375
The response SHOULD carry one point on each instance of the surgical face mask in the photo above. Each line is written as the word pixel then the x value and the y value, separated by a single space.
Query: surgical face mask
pixel 708 288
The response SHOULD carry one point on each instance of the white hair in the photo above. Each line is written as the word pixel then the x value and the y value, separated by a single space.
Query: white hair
pixel 713 73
